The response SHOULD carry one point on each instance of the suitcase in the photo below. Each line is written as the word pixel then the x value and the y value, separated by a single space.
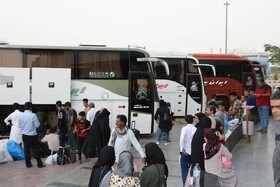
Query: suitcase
pixel 135 131
pixel 71 154
pixel 66 155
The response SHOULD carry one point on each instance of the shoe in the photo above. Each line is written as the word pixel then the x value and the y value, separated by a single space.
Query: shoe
pixel 42 166
pixel 157 142
pixel 166 143
pixel 29 166
pixel 264 131
pixel 260 130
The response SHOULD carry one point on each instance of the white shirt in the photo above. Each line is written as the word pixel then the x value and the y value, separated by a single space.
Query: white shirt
pixel 53 141
pixel 15 133
pixel 187 133
pixel 90 115
pixel 13 117
pixel 123 143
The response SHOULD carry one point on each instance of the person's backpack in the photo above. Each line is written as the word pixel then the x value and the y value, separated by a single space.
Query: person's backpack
pixel 166 117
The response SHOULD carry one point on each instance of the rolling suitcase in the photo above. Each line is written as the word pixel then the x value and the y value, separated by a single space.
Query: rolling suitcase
pixel 66 155
pixel 135 131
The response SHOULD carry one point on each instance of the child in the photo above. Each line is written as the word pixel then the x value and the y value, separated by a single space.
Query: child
pixel 81 129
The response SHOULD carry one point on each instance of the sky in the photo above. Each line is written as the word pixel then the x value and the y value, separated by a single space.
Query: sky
pixel 191 26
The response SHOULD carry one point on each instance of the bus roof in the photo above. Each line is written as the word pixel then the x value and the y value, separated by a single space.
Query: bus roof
pixel 87 47
pixel 174 55
pixel 219 57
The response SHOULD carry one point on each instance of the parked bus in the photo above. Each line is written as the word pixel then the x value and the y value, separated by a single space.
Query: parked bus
pixel 116 78
pixel 233 73
pixel 261 57
pixel 259 69
pixel 183 88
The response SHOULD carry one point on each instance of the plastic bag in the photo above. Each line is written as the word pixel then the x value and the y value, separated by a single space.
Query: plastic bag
pixel 227 162
pixel 2 155
pixel 3 147
pixel 51 160
pixel 15 150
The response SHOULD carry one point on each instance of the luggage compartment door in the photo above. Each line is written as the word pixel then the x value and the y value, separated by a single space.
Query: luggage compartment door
pixel 50 85
pixel 14 86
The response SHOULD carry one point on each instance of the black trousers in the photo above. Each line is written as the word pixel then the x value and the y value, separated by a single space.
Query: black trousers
pixel 62 140
pixel 31 142
pixel 80 143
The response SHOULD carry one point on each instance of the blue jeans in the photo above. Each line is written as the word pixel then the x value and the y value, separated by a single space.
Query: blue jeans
pixel 160 134
pixel 264 116
pixel 185 161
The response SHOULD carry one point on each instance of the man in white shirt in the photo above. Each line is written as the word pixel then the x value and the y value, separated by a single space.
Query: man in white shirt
pixel 52 139
pixel 91 113
pixel 28 123
pixel 12 120
pixel 186 136
pixel 122 137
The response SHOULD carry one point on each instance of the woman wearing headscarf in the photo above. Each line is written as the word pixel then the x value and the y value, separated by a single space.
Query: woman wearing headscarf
pixel 197 117
pixel 163 117
pixel 126 175
pixel 156 172
pixel 99 134
pixel 101 171
pixel 197 155
pixel 213 150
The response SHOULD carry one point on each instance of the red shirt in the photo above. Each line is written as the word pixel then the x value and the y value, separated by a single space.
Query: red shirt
pixel 81 126
pixel 263 100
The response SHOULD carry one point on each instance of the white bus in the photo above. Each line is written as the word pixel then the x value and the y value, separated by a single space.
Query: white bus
pixel 183 88
pixel 116 78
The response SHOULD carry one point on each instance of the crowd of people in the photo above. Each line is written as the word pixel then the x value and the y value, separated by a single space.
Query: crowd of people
pixel 201 140
pixel 88 132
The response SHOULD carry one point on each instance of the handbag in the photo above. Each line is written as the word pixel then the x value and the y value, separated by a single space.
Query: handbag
pixel 226 161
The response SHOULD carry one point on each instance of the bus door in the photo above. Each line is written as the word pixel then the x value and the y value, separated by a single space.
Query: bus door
pixel 194 94
pixel 50 85
pixel 249 81
pixel 141 102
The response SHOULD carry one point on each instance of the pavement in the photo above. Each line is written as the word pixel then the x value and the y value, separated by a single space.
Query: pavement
pixel 252 162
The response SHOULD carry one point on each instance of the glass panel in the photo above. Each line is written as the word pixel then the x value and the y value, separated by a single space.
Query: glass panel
pixel 176 70
pixel 51 59
pixel 230 69
pixel 194 87
pixel 11 58
pixel 99 64
pixel 135 65
pixel 191 68
pixel 141 99
pixel 249 80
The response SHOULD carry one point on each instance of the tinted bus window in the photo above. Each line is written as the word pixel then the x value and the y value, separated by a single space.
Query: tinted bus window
pixel 176 70
pixel 136 65
pixel 191 68
pixel 51 59
pixel 141 93
pixel 231 69
pixel 11 58
pixel 102 64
